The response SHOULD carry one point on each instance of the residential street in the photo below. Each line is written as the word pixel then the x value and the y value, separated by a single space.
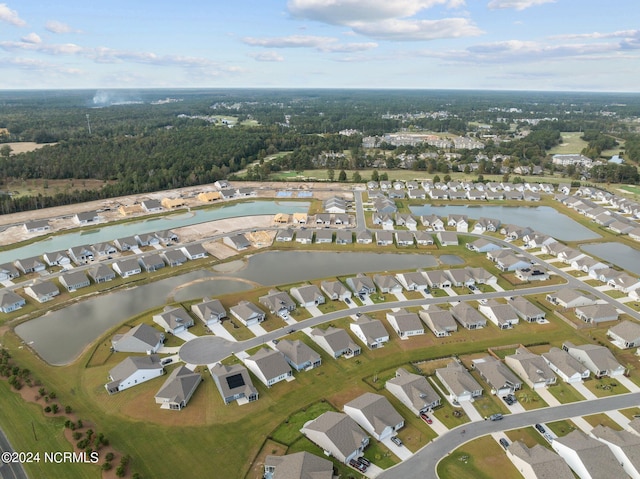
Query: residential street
pixel 423 464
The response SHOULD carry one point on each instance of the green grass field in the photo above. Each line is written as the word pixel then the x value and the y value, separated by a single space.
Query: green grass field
pixel 571 143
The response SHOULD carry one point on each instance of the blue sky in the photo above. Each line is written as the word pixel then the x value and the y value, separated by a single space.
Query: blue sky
pixel 585 45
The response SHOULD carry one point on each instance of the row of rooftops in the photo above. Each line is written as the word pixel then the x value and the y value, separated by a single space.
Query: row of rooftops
pixel 453 185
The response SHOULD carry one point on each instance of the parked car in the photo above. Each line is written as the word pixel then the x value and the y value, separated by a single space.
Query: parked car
pixel 426 418
pixel 540 428
pixel 396 440
pixel 364 460
pixel 166 361
pixel 495 417
pixel 510 399
pixel 357 465
pixel 347 300
pixel 473 288
pixel 504 443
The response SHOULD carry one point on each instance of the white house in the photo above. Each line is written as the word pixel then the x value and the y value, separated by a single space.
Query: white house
pixel 269 366
pixel 405 324
pixel 132 371
pixel 375 414
pixel 588 457
pixel 370 331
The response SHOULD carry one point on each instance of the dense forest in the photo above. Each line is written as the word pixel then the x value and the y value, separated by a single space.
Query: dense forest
pixel 140 141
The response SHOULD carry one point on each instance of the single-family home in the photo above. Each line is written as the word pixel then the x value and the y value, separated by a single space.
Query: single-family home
pixel 178 389
pixel 486 225
pixel 194 251
pixel 151 262
pixel 423 238
pixel 74 280
pixel 132 371
pixel 432 222
pixel 8 272
pixel 323 219
pixel 588 457
pixel 174 257
pixel 460 277
pixel 384 238
pixel 404 238
pixel 247 313
pixel 569 369
pixel 269 366
pixel 511 262
pixel 278 302
pixel 375 414
pixel 405 324
pixel 151 206
pixel 501 379
pixel 174 320
pixel 414 281
pixel 597 313
pixel 324 236
pixel 437 279
pixel 414 391
pixel 344 237
pixel 299 356
pixel 335 290
pixel 458 382
pixel 37 226
pixel 387 284
pixel 370 331
pixel 598 359
pixel 482 276
pixel 500 314
pixel 336 342
pixel 210 311
pixel 127 267
pixel 527 311
pixel 361 284
pixel 338 435
pixel 42 291
pixel 531 367
pixel 103 250
pixel 625 334
pixel 81 254
pixel 468 316
pixel 342 219
pixel 625 283
pixel 570 298
pixel 30 265
pixel 482 245
pixel 139 339
pixel 209 196
pixel 440 321
pixel 299 464
pixel 447 238
pixel 86 217
pixel 57 258
pixel 126 244
pixel 10 301
pixel 239 242
pixel 304 236
pixel 403 219
pixel 234 383
pixel 364 237
pixel 459 222
pixel 285 235
pixel 538 462
pixel 624 445
pixel 147 239
pixel 101 273
pixel 308 295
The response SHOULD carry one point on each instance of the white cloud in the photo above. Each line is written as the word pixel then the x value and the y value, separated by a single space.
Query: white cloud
pixel 418 30
pixel 55 26
pixel 267 57
pixel 516 4
pixel 10 16
pixel 49 49
pixel 629 34
pixel 343 12
pixel 37 65
pixel 323 44
pixel 31 38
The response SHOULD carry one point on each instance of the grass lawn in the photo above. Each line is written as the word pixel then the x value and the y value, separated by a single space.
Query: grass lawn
pixel 631 413
pixel 561 428
pixel 478 459
pixel 605 387
pixel 565 393
pixel 602 420
pixel 289 431
pixel 571 143
pixel 449 416
pixel 530 399
pixel 615 293
pixel 527 435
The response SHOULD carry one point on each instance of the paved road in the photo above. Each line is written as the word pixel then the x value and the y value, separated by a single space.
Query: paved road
pixel 423 464
pixel 223 348
pixel 361 224
pixel 13 470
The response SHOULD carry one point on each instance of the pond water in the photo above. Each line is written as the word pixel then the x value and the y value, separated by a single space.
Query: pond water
pixel 618 254
pixel 543 219
pixel 110 233
pixel 59 337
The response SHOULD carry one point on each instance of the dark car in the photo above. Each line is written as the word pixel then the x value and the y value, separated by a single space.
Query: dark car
pixel 495 417
pixel 540 428
pixel 396 440
pixel 166 361
pixel 347 300
pixel 357 465
pixel 364 460
pixel 504 443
